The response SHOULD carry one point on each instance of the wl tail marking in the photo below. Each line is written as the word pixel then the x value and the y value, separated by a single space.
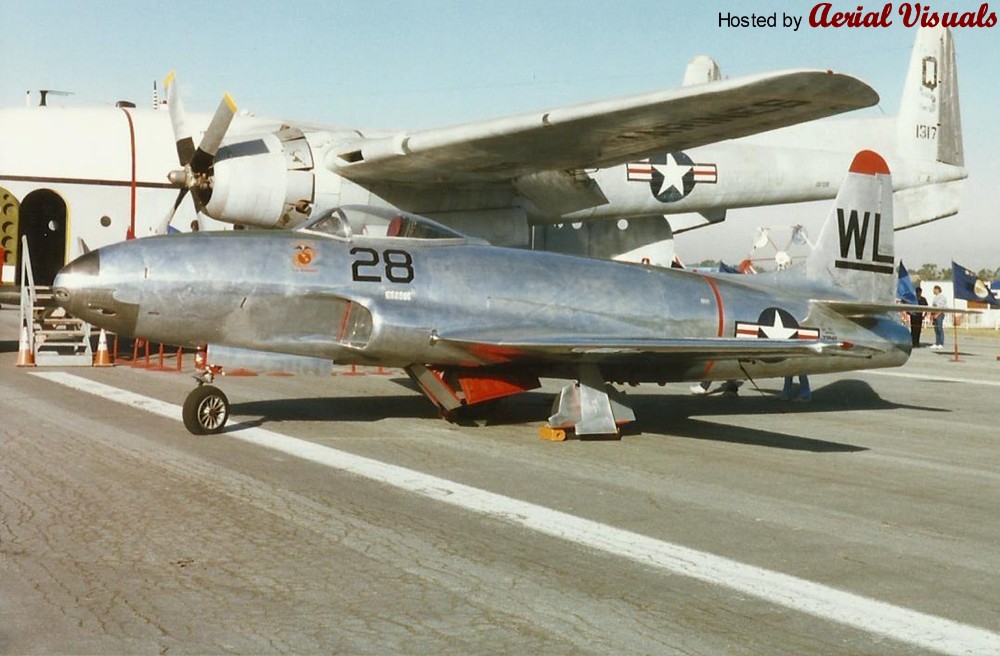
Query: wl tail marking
pixel 852 232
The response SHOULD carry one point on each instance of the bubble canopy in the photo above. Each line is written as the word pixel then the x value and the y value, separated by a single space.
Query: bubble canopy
pixel 351 221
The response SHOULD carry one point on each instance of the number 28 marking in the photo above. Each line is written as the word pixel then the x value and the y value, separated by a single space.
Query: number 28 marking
pixel 397 265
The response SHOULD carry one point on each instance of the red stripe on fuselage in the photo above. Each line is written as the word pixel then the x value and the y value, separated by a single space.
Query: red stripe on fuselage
pixel 722 319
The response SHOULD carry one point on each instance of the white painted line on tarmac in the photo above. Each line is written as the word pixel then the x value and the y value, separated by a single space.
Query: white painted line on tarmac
pixel 902 624
pixel 932 378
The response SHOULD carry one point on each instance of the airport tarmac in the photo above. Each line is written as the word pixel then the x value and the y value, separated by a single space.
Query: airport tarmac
pixel 341 515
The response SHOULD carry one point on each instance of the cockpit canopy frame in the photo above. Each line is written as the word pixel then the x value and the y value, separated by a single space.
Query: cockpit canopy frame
pixel 349 222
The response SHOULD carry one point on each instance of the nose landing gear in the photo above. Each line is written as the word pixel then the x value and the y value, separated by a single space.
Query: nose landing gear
pixel 206 410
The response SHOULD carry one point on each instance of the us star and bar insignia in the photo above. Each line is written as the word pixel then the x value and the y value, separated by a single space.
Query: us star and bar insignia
pixel 774 323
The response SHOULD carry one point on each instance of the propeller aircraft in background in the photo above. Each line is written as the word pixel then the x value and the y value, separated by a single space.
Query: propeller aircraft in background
pixel 657 163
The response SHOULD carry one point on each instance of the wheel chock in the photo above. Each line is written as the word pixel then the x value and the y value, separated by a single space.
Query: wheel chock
pixel 546 432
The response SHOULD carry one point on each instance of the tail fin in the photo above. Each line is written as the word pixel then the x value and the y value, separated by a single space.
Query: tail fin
pixel 855 246
pixel 929 126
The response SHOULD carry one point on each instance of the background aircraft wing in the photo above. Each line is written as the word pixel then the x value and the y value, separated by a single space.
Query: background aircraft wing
pixel 604 133
pixel 496 348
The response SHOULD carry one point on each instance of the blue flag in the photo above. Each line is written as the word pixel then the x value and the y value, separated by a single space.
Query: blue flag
pixel 904 286
pixel 969 287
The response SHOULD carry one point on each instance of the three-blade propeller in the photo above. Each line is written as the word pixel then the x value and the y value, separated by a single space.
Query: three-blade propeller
pixel 197 163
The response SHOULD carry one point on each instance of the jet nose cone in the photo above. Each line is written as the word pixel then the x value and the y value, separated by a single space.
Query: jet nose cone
pixel 80 289
pixel 75 279
pixel 88 264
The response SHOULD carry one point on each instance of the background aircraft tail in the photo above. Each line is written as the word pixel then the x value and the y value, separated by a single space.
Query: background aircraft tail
pixel 855 245
pixel 701 69
pixel 929 132
pixel 929 125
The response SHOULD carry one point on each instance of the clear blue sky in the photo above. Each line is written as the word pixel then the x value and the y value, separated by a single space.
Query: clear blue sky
pixel 426 63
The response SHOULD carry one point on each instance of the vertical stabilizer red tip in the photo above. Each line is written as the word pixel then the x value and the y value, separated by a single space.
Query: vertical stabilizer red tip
pixel 870 163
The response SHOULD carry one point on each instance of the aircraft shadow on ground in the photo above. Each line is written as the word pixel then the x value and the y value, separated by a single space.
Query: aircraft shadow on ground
pixel 698 429
pixel 838 396
pixel 346 408
pixel 666 415
pixel 678 415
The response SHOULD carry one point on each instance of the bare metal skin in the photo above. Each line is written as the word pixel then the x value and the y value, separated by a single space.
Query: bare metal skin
pixel 429 298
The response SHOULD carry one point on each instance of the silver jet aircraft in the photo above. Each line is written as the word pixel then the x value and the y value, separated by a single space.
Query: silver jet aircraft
pixel 471 322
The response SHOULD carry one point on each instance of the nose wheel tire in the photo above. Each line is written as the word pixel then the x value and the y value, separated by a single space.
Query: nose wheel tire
pixel 206 410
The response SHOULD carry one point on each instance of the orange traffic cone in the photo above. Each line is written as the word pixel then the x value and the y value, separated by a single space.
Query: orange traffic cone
pixel 102 358
pixel 25 356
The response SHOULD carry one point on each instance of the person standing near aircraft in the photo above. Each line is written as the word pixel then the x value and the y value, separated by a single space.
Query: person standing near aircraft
pixel 805 393
pixel 939 301
pixel 917 319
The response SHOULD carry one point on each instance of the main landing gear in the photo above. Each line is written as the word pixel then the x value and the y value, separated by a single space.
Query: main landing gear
pixel 587 407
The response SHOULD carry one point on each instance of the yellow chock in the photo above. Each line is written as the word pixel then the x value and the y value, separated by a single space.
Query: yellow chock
pixel 25 356
pixel 102 358
pixel 546 432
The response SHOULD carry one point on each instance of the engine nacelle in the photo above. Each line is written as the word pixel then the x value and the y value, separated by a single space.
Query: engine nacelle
pixel 264 181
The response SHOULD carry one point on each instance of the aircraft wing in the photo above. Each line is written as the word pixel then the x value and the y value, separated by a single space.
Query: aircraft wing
pixel 604 133
pixel 496 348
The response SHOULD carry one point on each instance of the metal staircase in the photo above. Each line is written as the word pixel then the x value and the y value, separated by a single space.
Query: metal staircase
pixel 55 338
pixel 60 340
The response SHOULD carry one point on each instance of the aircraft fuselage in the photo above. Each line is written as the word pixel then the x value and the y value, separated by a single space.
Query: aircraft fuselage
pixel 397 301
